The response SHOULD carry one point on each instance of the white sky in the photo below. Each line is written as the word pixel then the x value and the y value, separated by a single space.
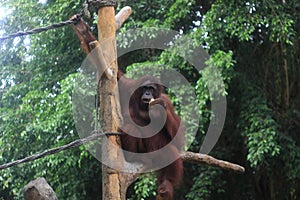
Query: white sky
pixel 1 12
pixel 1 16
pixel 42 1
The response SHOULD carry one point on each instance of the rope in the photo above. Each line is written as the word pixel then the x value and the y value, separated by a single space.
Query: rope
pixel 73 144
pixel 96 4
pixel 38 30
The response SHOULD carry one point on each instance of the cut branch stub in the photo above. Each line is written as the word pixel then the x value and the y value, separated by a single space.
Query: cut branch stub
pixel 122 15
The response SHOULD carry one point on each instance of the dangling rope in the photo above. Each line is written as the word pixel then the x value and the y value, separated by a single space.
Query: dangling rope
pixel 38 30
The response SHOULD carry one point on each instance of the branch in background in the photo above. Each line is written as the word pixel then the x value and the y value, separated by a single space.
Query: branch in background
pixel 199 158
pixel 196 158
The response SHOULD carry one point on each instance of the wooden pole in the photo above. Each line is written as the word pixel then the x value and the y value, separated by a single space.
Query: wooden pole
pixel 109 107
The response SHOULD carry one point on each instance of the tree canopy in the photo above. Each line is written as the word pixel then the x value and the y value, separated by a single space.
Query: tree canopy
pixel 254 44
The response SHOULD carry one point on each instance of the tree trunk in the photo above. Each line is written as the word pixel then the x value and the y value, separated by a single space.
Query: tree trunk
pixel 109 106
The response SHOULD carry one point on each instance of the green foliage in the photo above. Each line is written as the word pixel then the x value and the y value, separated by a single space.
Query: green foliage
pixel 204 183
pixel 218 72
pixel 259 128
pixel 145 187
pixel 249 21
pixel 36 111
pixel 179 14
pixel 254 48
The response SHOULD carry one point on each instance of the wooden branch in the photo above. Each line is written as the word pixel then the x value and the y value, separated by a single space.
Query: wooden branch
pixel 196 158
pixel 122 15
pixel 199 158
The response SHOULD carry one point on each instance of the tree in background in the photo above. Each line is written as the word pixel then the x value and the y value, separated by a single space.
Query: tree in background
pixel 255 45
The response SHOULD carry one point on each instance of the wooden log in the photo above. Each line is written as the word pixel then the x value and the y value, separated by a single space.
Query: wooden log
pixel 39 189
pixel 109 108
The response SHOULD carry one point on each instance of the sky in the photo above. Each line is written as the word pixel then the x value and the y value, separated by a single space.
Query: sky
pixel 1 12
pixel 1 16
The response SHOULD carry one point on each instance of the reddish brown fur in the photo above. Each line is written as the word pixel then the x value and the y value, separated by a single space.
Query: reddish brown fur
pixel 84 34
pixel 170 176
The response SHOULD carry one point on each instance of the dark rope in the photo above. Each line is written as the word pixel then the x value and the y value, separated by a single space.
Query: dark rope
pixel 38 30
pixel 73 144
